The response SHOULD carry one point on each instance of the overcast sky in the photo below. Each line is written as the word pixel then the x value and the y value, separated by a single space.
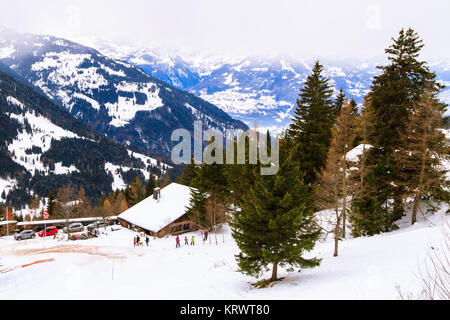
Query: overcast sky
pixel 353 28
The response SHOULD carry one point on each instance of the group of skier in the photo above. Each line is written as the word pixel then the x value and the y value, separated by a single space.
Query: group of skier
pixel 186 241
pixel 137 241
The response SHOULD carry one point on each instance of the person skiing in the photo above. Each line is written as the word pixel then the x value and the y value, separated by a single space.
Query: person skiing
pixel 186 241
pixel 206 236
pixel 147 240
pixel 192 241
pixel 177 239
pixel 134 242
pixel 138 240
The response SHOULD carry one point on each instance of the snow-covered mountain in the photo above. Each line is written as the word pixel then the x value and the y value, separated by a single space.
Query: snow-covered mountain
pixel 111 96
pixel 254 88
pixel 42 148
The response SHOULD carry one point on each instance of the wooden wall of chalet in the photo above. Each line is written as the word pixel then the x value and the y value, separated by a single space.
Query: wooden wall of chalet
pixel 179 226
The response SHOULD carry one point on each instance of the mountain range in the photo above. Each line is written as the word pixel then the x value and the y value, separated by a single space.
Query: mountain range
pixel 93 115
pixel 43 148
pixel 255 88
pixel 112 97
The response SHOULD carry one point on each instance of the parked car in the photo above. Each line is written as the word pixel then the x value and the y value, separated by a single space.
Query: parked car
pixel 25 234
pixel 74 227
pixel 82 236
pixel 97 224
pixel 50 231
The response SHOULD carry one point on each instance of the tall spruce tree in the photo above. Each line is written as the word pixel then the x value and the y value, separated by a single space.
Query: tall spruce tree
pixel 312 123
pixel 391 99
pixel 150 186
pixel 136 192
pixel 339 102
pixel 211 180
pixel 275 226
pixel 196 211
pixel 188 174
pixel 51 203
pixel 167 180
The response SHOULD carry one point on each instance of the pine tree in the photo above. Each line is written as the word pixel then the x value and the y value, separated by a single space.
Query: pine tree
pixel 275 226
pixel 51 203
pixel 150 186
pixel 106 210
pixel 64 204
pixel 392 96
pixel 188 174
pixel 167 180
pixel 35 204
pixel 211 180
pixel 354 106
pixel 196 211
pixel 158 178
pixel 83 206
pixel 136 192
pixel 339 102
pixel 312 122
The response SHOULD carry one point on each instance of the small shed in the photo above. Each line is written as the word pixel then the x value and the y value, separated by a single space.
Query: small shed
pixel 162 213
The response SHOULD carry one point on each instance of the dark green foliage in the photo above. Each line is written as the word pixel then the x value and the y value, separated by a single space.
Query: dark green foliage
pixel 312 122
pixel 354 106
pixel 51 203
pixel 150 186
pixel 210 181
pixel 275 225
pixel 167 180
pixel 88 155
pixel 188 174
pixel 197 208
pixel 130 175
pixel 390 102
pixel 339 102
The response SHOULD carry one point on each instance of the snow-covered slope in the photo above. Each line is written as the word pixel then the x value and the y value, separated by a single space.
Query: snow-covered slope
pixel 111 96
pixel 109 267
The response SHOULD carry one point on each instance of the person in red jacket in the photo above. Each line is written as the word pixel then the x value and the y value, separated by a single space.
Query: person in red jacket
pixel 177 239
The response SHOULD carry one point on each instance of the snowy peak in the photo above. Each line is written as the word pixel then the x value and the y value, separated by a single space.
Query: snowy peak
pixel 111 96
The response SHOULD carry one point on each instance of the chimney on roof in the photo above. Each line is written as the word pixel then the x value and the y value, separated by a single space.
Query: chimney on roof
pixel 157 193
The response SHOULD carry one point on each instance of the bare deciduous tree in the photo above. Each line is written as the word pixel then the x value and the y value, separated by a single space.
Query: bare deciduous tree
pixel 333 182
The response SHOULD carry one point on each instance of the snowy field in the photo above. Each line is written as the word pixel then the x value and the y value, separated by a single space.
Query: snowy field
pixel 110 267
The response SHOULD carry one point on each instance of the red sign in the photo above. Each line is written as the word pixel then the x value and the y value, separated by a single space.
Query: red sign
pixel 45 214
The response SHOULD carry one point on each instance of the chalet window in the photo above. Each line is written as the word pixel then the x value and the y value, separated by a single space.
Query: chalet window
pixel 186 226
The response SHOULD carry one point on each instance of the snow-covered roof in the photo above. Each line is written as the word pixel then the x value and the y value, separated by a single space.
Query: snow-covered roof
pixel 7 222
pixel 154 215
pixel 353 155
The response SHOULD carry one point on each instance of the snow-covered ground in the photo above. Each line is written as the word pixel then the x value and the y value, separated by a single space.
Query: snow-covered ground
pixel 110 267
